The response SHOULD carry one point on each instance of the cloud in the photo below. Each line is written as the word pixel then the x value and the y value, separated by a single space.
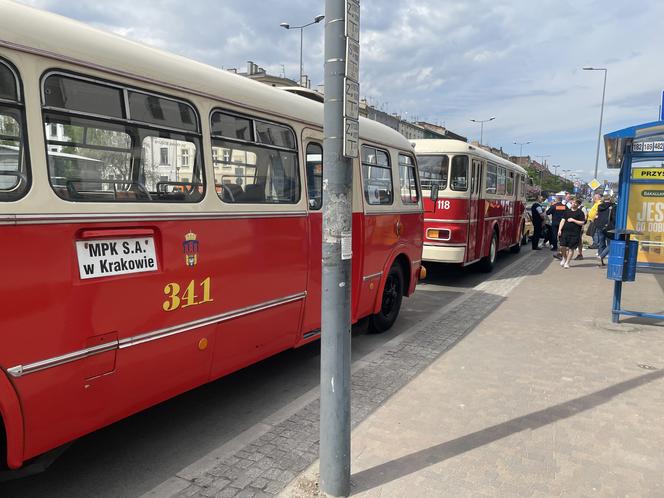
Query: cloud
pixel 439 60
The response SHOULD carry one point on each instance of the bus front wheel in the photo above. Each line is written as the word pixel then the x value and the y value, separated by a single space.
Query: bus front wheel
pixel 390 301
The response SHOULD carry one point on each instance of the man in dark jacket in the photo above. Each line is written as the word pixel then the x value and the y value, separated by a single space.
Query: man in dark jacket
pixel 537 216
pixel 604 221
pixel 557 212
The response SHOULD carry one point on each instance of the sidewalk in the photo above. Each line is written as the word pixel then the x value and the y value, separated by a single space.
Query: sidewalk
pixel 545 397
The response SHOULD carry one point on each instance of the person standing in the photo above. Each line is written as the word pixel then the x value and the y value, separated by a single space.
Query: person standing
pixel 569 232
pixel 537 216
pixel 606 221
pixel 592 226
pixel 556 211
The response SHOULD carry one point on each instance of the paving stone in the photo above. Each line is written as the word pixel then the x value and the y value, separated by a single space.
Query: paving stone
pixel 291 446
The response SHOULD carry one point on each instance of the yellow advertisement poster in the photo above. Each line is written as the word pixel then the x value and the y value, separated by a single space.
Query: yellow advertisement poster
pixel 645 214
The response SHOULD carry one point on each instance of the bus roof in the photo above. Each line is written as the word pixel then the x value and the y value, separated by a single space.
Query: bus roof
pixel 35 31
pixel 451 146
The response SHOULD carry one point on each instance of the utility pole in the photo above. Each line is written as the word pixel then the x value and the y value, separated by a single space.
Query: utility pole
pixel 601 113
pixel 341 147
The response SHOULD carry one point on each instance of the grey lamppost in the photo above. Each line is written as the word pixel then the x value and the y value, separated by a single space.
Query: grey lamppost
pixel 521 144
pixel 285 25
pixel 481 122
pixel 601 113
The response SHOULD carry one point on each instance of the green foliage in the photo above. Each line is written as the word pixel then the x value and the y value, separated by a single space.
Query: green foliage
pixel 549 182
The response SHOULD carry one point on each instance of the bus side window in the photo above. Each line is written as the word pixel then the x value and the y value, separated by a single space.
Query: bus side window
pixel 491 178
pixel 510 183
pixel 14 171
pixel 315 175
pixel 260 169
pixel 408 180
pixel 133 153
pixel 377 176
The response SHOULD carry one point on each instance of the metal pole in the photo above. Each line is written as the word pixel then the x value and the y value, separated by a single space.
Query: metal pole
pixel 336 279
pixel 301 63
pixel 601 116
pixel 481 132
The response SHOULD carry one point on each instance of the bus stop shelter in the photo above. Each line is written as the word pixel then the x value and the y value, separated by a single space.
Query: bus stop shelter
pixel 638 240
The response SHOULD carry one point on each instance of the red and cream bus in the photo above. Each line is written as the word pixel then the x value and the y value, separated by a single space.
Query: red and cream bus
pixel 474 203
pixel 161 227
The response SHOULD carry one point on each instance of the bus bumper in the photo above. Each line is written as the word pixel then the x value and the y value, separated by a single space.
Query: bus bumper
pixel 443 254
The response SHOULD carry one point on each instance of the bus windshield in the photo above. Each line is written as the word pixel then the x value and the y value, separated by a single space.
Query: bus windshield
pixel 434 170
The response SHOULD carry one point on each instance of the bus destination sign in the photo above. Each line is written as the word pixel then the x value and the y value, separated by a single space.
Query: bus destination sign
pixel 110 257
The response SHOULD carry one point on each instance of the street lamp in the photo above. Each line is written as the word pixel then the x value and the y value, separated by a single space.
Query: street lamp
pixel 555 168
pixel 285 25
pixel 481 122
pixel 521 144
pixel 601 113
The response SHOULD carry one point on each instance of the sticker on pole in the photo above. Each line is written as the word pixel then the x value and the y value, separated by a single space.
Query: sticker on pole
pixel 110 257
pixel 346 246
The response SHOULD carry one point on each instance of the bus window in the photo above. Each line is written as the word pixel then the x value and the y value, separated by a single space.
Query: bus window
pixel 14 180
pixel 315 175
pixel 510 183
pixel 254 173
pixel 459 173
pixel 433 171
pixel 377 176
pixel 491 178
pixel 500 187
pixel 407 177
pixel 112 158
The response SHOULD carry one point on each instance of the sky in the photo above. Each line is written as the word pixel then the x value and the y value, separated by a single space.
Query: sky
pixel 440 61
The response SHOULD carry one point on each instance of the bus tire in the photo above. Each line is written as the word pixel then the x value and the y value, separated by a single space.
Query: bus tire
pixel 524 235
pixel 390 301
pixel 487 263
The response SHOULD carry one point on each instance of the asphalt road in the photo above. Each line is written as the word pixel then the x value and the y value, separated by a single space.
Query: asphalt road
pixel 137 454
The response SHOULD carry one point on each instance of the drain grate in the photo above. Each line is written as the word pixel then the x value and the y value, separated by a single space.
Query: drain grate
pixel 646 367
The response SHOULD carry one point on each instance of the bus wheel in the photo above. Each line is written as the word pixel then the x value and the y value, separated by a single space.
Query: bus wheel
pixel 516 248
pixel 524 235
pixel 487 263
pixel 390 302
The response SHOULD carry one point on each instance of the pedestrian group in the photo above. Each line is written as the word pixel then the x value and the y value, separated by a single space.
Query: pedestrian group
pixel 561 226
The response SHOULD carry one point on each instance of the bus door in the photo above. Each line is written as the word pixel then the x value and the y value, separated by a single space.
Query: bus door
pixel 475 213
pixel 314 188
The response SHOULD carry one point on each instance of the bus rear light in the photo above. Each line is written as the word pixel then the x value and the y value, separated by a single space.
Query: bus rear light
pixel 439 234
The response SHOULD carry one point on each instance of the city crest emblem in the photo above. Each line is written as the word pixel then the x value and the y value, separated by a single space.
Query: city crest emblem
pixel 190 248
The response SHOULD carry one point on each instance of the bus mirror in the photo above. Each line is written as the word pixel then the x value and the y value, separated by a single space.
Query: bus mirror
pixel 434 192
